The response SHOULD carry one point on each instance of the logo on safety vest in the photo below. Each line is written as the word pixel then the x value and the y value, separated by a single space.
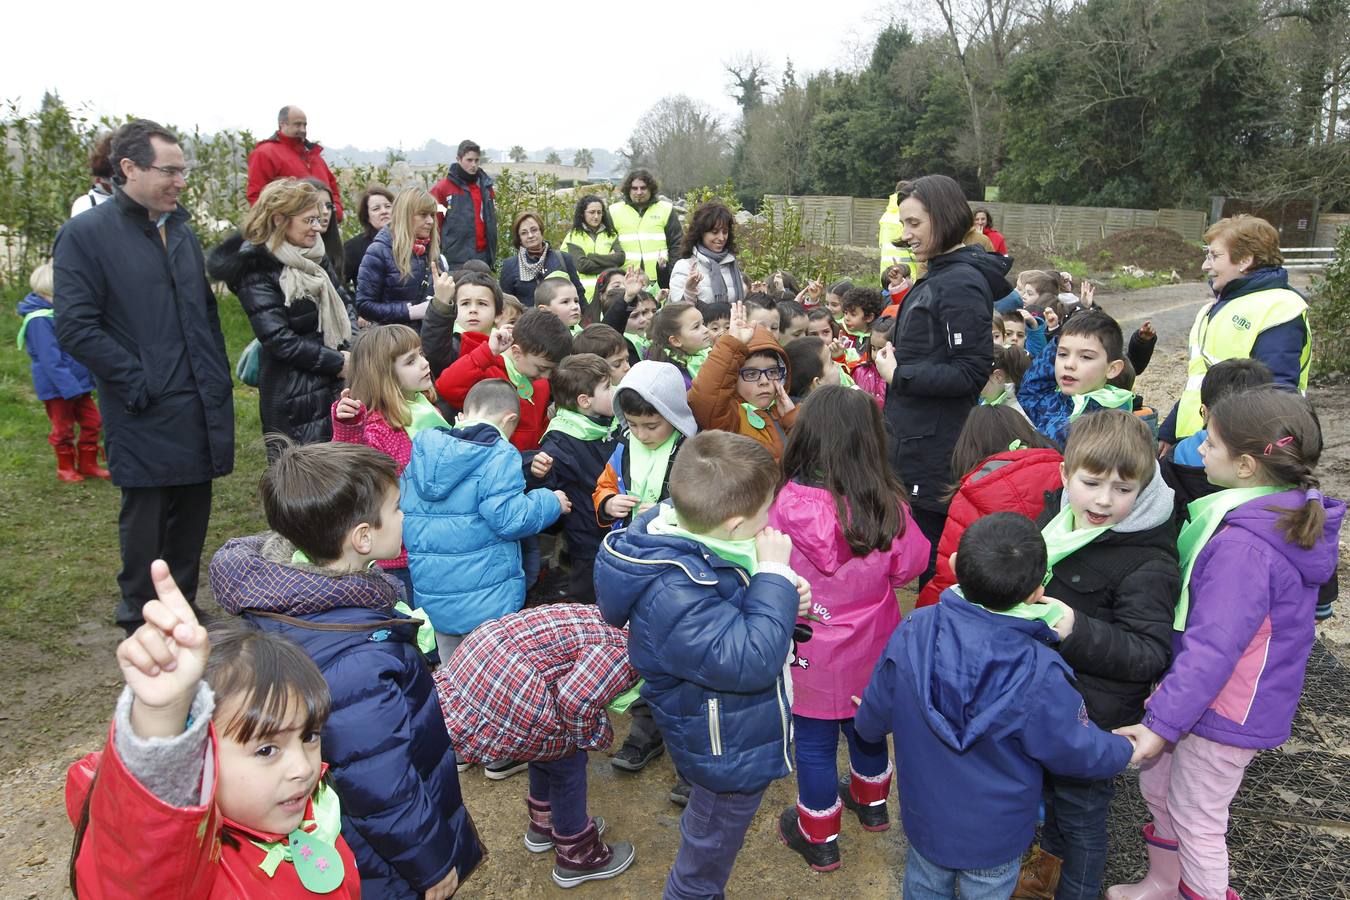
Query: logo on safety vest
pixel 1240 322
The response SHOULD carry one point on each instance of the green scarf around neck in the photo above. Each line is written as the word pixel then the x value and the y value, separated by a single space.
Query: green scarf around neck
pixel 465 423
pixel 1062 539
pixel 1108 397
pixel 647 468
pixel 577 424
pixel 692 361
pixel 314 853
pixel 742 553
pixel 524 387
pixel 1048 613
pixel 640 342
pixel 1207 515
pixel 1006 394
pixel 424 415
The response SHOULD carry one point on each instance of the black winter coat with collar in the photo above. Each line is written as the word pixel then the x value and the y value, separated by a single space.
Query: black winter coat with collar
pixel 137 311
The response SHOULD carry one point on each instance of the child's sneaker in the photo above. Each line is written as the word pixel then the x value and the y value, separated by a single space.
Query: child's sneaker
pixel 537 840
pixel 679 794
pixel 633 757
pixel 501 769
pixel 867 798
pixel 584 857
pixel 814 837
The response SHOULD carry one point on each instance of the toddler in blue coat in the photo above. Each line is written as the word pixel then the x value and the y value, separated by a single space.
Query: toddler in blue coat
pixel 65 387
pixel 465 511
pixel 710 601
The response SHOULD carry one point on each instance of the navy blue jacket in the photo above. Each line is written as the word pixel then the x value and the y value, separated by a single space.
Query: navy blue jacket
pixel 711 643
pixel 1280 347
pixel 980 706
pixel 136 309
pixel 385 740
pixel 56 374
pixel 382 294
pixel 577 465
pixel 524 290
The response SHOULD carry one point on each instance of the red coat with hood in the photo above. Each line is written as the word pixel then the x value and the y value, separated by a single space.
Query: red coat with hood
pixel 286 157
pixel 1011 481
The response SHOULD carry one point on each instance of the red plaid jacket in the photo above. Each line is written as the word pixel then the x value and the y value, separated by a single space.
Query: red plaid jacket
pixel 533 685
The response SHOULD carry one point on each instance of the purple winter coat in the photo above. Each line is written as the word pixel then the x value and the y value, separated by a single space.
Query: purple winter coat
pixel 1237 669
pixel 853 595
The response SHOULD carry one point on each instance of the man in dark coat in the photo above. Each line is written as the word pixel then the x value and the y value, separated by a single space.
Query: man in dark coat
pixel 469 226
pixel 134 306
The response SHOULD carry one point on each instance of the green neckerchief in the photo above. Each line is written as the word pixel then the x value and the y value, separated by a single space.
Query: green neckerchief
pixel 314 853
pixel 648 468
pixel 640 343
pixel 1206 516
pixel 577 424
pixel 465 423
pixel 742 553
pixel 846 379
pixel 575 329
pixel 621 703
pixel 459 329
pixel 1002 398
pixel 859 336
pixel 752 414
pixel 1062 539
pixel 692 361
pixel 524 387
pixel 1108 397
pixel 1049 613
pixel 35 314
pixel 424 415
pixel 426 635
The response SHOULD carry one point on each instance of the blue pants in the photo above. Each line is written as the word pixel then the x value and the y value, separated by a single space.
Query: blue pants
pixel 817 773
pixel 530 560
pixel 562 784
pixel 1075 831
pixel 712 830
pixel 926 880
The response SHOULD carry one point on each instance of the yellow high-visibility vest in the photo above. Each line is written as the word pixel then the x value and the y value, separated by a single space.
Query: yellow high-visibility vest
pixel 642 237
pixel 601 244
pixel 889 231
pixel 1231 335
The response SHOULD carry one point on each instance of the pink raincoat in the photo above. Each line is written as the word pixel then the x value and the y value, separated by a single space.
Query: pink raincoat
pixel 853 605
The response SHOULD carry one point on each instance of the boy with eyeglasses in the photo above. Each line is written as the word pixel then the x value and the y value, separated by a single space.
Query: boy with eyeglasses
pixel 742 386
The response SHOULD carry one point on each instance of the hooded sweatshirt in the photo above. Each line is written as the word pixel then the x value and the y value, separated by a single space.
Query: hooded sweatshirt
pixel 718 407
pixel 1123 587
pixel 853 610
pixel 1239 665
pixel 980 706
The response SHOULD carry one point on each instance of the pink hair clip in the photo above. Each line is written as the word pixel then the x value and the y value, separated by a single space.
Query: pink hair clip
pixel 1282 442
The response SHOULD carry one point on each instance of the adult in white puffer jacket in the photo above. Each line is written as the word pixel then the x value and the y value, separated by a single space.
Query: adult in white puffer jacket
pixel 707 271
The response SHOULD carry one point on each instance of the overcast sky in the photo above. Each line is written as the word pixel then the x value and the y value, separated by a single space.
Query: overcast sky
pixel 515 73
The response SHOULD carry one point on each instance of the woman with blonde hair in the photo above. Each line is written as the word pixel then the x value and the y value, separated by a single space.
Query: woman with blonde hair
pixel 302 320
pixel 399 274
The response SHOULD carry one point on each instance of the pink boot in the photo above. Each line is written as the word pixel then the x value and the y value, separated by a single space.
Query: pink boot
pixel 1188 894
pixel 1164 872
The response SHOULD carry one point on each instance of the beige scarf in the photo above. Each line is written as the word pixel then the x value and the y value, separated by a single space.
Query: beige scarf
pixel 303 276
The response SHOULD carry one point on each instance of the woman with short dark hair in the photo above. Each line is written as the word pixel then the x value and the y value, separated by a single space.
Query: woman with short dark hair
pixel 942 347
pixel 593 242
pixel 984 221
pixel 707 271
pixel 375 208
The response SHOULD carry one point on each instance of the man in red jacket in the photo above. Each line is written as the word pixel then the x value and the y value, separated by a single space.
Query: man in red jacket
pixel 287 154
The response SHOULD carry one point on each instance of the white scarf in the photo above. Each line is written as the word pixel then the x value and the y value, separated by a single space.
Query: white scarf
pixel 303 276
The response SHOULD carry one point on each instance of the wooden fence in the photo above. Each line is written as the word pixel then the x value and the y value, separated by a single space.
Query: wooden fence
pixel 1329 227
pixel 853 221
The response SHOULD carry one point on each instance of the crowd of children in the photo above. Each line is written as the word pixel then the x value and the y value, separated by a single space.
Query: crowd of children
pixel 716 476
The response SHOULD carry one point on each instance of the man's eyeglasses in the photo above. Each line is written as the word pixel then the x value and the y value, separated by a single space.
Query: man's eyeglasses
pixel 171 171
pixel 752 375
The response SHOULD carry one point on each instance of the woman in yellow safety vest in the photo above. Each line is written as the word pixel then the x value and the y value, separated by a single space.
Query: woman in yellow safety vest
pixel 593 242
pixel 1254 314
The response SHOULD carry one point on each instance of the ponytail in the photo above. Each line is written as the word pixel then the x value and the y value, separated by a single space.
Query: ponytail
pixel 1279 429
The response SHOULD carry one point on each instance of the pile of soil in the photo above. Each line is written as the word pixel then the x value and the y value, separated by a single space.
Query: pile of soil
pixel 1152 249
pixel 1025 258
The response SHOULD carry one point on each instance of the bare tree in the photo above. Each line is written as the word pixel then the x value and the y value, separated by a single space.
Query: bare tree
pixel 683 141
pixel 750 75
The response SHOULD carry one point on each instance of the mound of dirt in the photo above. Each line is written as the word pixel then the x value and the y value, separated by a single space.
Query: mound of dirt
pixel 1025 258
pixel 1151 249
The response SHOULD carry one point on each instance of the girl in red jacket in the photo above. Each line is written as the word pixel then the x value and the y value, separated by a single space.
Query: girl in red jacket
pixel 385 404
pixel 210 785
pixel 1001 464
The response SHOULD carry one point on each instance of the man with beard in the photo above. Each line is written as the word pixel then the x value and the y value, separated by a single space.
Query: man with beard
pixel 649 230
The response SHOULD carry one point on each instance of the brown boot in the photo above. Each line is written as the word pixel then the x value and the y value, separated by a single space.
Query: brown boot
pixel 89 466
pixel 1039 876
pixel 65 465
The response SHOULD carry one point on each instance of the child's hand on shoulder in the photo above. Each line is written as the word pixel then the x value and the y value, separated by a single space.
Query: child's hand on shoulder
pixel 562 499
pixel 620 505
pixel 499 340
pixel 1064 626
pixel 163 661
pixel 772 546
pixel 348 407
pixel 541 465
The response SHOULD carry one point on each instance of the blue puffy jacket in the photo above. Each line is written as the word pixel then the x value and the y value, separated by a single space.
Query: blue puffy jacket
pixel 385 740
pixel 711 643
pixel 464 510
pixel 979 705
pixel 56 374
pixel 382 294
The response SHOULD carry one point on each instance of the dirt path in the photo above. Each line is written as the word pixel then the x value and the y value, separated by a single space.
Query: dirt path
pixel 43 726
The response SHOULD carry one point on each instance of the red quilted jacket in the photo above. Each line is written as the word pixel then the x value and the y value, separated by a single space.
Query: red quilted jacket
pixel 1011 481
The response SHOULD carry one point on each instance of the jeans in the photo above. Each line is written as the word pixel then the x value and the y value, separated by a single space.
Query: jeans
pixel 817 773
pixel 712 830
pixel 530 560
pixel 167 523
pixel 1075 831
pixel 925 880
pixel 562 784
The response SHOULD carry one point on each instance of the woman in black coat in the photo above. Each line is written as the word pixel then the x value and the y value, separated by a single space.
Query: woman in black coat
pixel 300 317
pixel 942 347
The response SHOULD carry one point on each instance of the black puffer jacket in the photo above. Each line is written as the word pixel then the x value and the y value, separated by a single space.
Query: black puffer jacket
pixel 1123 588
pixel 298 375
pixel 944 348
